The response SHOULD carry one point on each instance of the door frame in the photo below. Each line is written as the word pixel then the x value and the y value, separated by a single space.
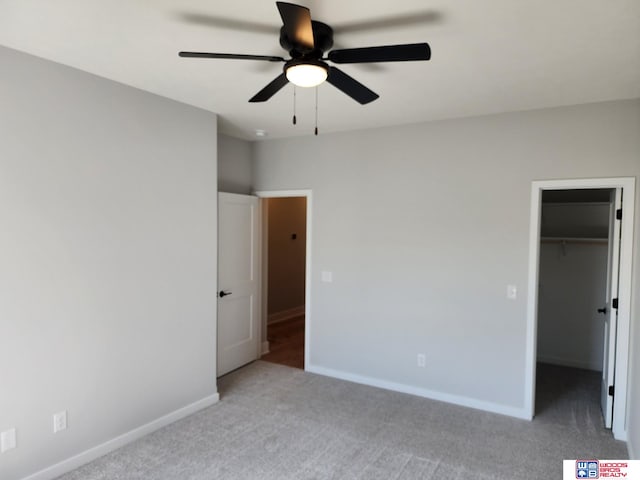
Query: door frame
pixel 624 290
pixel 264 194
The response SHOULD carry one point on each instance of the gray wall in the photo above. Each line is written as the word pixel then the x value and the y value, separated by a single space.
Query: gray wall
pixel 234 165
pixel 425 225
pixel 108 254
pixel 633 422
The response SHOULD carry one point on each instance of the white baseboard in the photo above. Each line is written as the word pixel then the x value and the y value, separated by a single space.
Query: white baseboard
pixel 285 315
pixel 265 348
pixel 422 392
pixel 91 454
pixel 569 363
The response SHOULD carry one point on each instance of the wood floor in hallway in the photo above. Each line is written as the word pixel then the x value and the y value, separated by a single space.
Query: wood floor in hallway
pixel 286 343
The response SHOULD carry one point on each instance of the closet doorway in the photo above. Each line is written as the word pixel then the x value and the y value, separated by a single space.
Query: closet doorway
pixel 576 260
pixel 579 298
pixel 285 271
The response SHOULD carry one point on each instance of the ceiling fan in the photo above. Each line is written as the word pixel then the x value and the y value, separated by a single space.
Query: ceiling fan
pixel 306 41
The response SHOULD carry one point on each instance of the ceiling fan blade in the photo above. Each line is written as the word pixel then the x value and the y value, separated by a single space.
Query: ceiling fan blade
pixel 387 53
pixel 232 56
pixel 350 86
pixel 270 90
pixel 297 24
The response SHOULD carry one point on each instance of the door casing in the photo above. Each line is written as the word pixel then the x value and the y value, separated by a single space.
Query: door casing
pixel 624 305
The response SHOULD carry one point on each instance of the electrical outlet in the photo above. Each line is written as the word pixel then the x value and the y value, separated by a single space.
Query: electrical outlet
pixel 7 440
pixel 422 360
pixel 60 421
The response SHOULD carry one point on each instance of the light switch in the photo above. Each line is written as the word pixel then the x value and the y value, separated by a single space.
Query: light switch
pixel 327 277
pixel 512 292
pixel 7 440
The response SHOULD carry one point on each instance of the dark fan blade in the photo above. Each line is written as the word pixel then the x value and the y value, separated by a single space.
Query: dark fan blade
pixel 232 56
pixel 350 86
pixel 297 24
pixel 388 53
pixel 270 90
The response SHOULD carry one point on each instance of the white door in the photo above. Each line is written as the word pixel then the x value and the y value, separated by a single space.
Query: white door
pixel 610 313
pixel 238 327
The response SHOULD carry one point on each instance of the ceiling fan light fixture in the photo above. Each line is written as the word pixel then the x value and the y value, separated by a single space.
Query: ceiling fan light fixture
pixel 307 74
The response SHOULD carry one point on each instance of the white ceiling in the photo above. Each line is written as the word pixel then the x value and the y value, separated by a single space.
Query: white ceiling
pixel 487 56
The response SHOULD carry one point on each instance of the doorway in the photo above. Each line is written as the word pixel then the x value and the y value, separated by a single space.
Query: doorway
pixel 286 273
pixel 594 243
pixel 573 291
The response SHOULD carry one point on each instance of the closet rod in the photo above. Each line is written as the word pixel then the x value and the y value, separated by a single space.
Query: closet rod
pixel 575 240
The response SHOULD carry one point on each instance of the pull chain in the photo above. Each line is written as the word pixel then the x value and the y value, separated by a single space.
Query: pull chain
pixel 294 105
pixel 316 131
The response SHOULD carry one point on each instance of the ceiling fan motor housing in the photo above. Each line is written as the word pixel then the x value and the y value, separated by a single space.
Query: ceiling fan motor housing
pixel 305 61
pixel 322 39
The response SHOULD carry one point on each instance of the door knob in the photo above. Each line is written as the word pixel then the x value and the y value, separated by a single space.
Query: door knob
pixel 602 310
pixel 224 294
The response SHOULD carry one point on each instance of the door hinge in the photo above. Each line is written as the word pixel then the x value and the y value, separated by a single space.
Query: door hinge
pixel 614 303
pixel 619 214
pixel 612 390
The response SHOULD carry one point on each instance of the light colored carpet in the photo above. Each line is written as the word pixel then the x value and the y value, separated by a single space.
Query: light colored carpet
pixel 276 422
